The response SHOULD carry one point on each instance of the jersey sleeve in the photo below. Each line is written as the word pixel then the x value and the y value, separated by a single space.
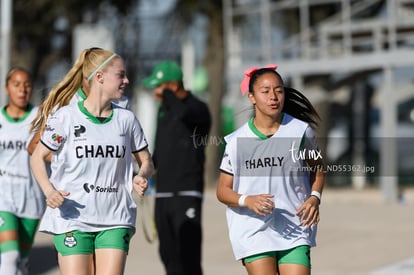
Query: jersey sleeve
pixel 138 141
pixel 54 134
pixel 226 164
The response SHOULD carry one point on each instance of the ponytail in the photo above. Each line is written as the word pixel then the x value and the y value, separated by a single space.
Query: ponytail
pixel 298 106
pixel 61 94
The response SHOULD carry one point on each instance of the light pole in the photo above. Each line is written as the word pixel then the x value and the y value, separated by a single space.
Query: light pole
pixel 5 24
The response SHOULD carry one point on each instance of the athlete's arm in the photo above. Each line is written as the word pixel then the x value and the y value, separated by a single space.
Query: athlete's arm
pixel 33 143
pixel 261 204
pixel 309 210
pixel 146 170
pixel 225 192
pixel 54 198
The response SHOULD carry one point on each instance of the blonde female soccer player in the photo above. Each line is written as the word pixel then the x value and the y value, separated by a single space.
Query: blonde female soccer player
pixel 91 211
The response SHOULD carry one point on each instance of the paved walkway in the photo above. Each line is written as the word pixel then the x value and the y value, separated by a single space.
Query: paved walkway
pixel 359 234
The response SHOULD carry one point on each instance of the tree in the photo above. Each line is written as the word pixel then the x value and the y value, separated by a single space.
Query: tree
pixel 214 63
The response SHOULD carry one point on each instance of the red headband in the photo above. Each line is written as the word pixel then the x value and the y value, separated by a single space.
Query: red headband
pixel 244 85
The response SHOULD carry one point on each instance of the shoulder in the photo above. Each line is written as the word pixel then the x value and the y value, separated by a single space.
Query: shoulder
pixel 76 98
pixel 124 114
pixel 65 112
pixel 199 107
pixel 123 102
pixel 33 111
pixel 122 111
pixel 66 109
pixel 240 132
pixel 293 122
pixel 34 108
pixel 2 112
pixel 70 108
pixel 196 100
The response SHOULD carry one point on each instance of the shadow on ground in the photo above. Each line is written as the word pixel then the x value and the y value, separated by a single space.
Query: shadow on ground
pixel 42 259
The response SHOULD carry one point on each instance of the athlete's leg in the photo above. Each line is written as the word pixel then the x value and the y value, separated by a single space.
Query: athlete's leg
pixel 27 231
pixel 75 264
pixel 295 261
pixel 110 261
pixel 9 243
pixel 293 269
pixel 111 249
pixel 75 252
pixel 262 266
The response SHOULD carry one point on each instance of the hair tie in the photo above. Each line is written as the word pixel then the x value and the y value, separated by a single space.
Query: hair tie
pixel 101 66
pixel 244 85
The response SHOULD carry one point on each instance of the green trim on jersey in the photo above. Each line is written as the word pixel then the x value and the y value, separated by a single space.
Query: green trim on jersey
pixel 12 120
pixel 92 117
pixel 264 137
pixel 256 131
pixel 81 93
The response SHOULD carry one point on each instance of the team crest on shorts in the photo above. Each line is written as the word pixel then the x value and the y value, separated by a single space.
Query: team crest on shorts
pixel 70 240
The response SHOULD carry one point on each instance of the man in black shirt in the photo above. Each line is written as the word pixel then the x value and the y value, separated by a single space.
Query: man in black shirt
pixel 183 125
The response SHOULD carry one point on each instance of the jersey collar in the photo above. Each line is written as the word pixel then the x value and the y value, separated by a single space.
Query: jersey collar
pixel 256 131
pixel 91 117
pixel 20 119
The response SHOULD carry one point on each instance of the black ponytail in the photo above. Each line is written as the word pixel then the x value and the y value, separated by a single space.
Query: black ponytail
pixel 298 106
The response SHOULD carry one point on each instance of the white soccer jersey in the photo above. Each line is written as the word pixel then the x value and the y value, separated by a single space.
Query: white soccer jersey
pixel 93 161
pixel 269 165
pixel 20 194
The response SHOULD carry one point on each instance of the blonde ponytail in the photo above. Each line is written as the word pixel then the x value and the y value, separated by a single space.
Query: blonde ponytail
pixel 62 93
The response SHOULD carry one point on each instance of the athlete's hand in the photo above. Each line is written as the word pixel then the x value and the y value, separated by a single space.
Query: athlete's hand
pixel 56 198
pixel 309 212
pixel 261 204
pixel 140 185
